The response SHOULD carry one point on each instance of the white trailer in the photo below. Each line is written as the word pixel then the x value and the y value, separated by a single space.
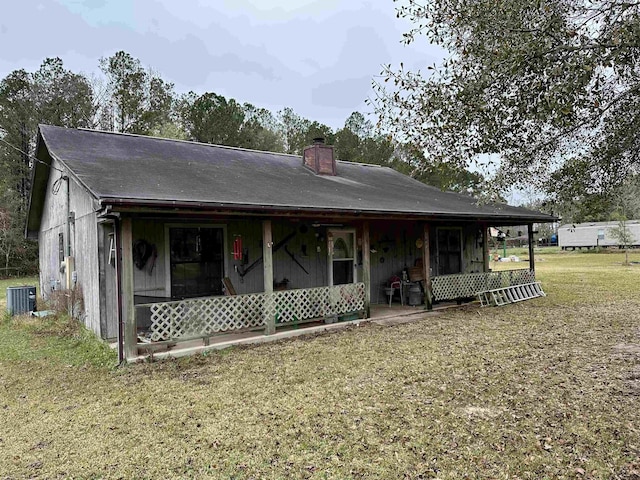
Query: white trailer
pixel 595 234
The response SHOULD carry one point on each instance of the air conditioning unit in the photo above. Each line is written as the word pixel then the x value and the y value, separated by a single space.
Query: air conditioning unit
pixel 21 300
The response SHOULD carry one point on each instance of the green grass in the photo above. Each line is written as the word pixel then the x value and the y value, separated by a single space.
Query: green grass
pixel 542 389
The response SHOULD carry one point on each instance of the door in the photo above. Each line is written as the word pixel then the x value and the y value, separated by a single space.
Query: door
pixel 449 243
pixel 196 261
pixel 342 257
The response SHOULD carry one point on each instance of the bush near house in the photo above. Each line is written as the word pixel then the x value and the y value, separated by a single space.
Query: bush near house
pixel 547 388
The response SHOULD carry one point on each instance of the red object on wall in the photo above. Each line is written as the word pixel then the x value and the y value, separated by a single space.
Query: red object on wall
pixel 237 248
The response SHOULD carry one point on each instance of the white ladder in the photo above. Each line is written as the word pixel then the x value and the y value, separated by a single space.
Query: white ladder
pixel 512 294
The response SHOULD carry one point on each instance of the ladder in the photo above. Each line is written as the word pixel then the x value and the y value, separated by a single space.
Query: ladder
pixel 512 294
pixel 112 249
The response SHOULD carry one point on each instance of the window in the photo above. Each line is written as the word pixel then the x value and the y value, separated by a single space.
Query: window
pixel 61 247
pixel 601 234
pixel 196 256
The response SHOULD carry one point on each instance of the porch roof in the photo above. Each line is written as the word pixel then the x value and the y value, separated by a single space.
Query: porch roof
pixel 134 170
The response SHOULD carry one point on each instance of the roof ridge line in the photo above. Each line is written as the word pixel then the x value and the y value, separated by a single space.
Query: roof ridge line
pixel 176 140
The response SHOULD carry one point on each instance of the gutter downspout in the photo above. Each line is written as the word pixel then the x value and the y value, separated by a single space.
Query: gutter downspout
pixel 118 264
pixel 118 235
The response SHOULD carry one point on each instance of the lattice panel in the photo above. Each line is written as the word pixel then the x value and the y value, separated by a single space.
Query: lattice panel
pixel 450 287
pixel 303 304
pixel 211 315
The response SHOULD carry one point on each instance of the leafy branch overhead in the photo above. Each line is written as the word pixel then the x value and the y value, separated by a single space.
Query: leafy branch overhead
pixel 538 83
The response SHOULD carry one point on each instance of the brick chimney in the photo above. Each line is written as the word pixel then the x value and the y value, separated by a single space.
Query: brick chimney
pixel 319 158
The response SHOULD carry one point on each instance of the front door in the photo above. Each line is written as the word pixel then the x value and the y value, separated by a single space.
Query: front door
pixel 342 257
pixel 196 261
pixel 449 243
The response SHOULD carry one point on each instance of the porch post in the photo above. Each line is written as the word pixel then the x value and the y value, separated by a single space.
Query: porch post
pixel 426 265
pixel 128 307
pixel 267 261
pixel 532 263
pixel 485 247
pixel 366 268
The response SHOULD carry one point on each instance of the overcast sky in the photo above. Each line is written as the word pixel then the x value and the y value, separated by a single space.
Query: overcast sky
pixel 316 56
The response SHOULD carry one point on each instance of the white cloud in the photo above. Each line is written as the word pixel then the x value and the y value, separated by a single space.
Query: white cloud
pixel 317 56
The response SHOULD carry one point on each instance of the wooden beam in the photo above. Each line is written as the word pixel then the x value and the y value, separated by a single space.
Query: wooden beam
pixel 128 307
pixel 267 262
pixel 426 265
pixel 532 262
pixel 366 268
pixel 485 247
pixel 330 258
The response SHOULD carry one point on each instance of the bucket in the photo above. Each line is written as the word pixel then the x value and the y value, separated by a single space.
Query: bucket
pixel 415 295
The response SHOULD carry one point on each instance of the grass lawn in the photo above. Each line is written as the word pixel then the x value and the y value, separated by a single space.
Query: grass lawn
pixel 548 388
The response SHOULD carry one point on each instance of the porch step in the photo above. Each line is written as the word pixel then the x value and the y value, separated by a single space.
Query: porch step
pixel 513 294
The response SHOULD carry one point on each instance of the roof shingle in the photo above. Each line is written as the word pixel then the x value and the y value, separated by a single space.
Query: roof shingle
pixel 143 169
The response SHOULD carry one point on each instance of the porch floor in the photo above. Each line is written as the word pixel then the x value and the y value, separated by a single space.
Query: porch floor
pixel 381 314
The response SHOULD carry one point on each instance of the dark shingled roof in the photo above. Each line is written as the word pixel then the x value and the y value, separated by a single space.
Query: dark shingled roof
pixel 135 169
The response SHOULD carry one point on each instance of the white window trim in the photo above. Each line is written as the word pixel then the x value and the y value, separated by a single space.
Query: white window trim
pixel 330 234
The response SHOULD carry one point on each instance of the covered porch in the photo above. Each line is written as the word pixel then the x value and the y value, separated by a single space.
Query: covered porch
pixel 291 275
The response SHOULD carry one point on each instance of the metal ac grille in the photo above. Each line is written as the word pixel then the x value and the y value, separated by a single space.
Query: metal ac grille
pixel 450 287
pixel 211 315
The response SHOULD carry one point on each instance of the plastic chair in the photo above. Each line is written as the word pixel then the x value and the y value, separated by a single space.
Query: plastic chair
pixel 390 290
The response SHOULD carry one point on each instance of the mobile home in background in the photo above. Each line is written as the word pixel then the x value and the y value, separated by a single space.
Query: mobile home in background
pixel 594 234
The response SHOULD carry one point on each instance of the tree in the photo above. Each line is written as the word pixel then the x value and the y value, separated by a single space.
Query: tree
pixel 61 97
pixel 138 100
pixel 533 82
pixel 409 159
pixel 211 118
pixel 623 235
pixel 356 142
pixel 260 130
pixel 293 129
pixel 17 123
pixel 347 145
pixel 51 95
pixel 577 201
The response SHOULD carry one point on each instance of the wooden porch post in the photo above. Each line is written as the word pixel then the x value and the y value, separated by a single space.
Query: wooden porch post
pixel 366 268
pixel 532 263
pixel 426 265
pixel 128 307
pixel 485 247
pixel 267 257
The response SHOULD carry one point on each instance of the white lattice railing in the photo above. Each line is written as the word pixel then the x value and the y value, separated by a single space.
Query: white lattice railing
pixel 208 316
pixel 450 287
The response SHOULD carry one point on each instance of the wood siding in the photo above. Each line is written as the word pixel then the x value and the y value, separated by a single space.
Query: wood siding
pixel 107 275
pixel 394 244
pixel 84 244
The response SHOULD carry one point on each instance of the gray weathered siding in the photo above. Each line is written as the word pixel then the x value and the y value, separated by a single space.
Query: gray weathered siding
pixel 394 244
pixel 472 249
pixel 84 244
pixel 107 275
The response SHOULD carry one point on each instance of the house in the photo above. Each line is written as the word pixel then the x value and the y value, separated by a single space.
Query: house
pixel 172 240
pixel 595 234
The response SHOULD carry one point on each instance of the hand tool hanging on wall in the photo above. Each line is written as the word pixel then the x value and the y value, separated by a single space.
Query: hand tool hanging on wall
pixel 243 271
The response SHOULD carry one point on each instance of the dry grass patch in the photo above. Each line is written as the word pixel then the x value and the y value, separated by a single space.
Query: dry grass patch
pixel 535 390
